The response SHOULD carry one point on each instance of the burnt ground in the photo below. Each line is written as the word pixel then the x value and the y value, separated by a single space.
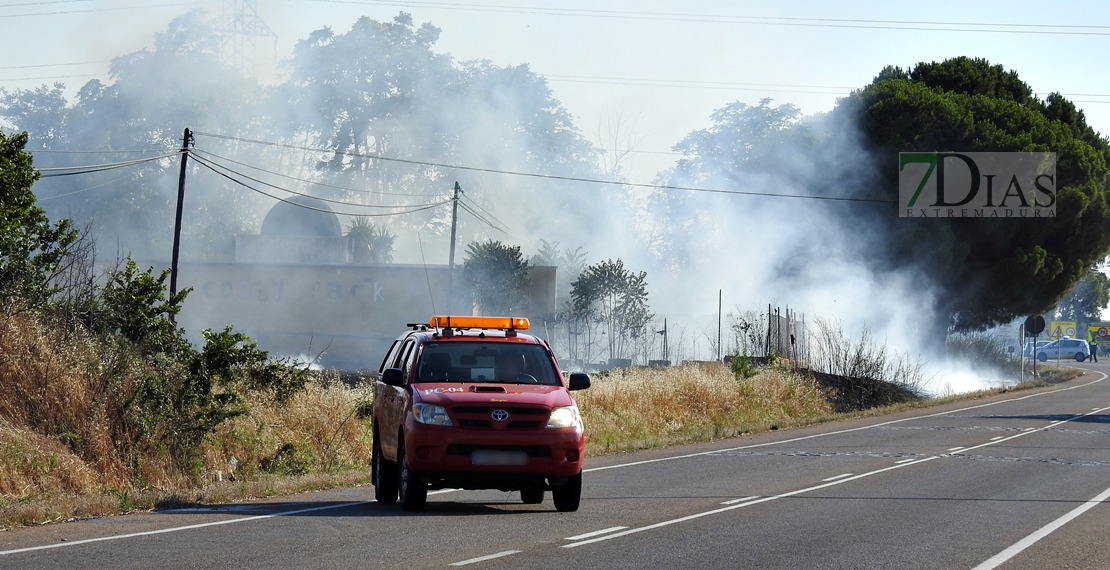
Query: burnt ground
pixel 848 394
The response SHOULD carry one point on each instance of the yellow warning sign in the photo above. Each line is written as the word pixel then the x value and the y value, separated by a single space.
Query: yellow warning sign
pixel 1061 329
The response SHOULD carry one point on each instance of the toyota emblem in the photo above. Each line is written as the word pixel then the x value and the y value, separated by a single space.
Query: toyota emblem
pixel 499 415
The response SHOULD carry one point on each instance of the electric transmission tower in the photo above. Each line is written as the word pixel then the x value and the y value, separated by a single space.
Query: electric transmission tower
pixel 241 27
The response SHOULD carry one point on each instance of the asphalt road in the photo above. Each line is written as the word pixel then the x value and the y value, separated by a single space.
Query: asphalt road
pixel 1012 481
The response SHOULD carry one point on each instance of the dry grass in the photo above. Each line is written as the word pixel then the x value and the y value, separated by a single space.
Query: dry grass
pixel 318 430
pixel 42 480
pixel 66 449
pixel 640 408
pixel 62 427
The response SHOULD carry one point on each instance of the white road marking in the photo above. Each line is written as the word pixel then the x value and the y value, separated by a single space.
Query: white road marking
pixel 1026 431
pixel 200 525
pixel 596 533
pixel 186 527
pixel 905 460
pixel 841 476
pixel 841 481
pixel 484 558
pixel 742 505
pixel 956 448
pixel 839 432
pixel 996 438
pixel 734 501
pixel 1017 547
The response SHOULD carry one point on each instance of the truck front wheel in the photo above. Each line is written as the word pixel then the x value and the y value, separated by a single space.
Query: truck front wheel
pixel 384 475
pixel 567 497
pixel 414 491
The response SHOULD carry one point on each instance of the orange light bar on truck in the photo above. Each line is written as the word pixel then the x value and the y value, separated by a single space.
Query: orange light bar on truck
pixel 464 322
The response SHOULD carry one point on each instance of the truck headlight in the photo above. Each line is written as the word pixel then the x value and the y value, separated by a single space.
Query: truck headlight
pixel 564 417
pixel 431 414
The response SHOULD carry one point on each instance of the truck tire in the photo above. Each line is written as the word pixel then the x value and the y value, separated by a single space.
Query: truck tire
pixel 414 491
pixel 384 475
pixel 567 497
pixel 531 496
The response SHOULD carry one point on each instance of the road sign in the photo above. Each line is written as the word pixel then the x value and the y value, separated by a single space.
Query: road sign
pixel 1034 325
pixel 1061 329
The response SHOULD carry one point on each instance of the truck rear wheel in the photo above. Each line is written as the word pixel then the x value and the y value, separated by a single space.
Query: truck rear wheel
pixel 567 497
pixel 414 491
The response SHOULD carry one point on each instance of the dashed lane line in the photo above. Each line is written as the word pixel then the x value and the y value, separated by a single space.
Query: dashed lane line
pixel 596 533
pixel 746 504
pixel 198 525
pixel 484 558
pixel 839 432
pixel 843 480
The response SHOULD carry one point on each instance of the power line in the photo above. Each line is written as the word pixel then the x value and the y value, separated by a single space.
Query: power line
pixel 330 211
pixel 341 202
pixel 488 213
pixel 37 77
pixel 937 26
pixel 481 218
pixel 43 3
pixel 307 181
pixel 74 170
pixel 685 85
pixel 89 10
pixel 52 151
pixel 55 64
pixel 556 177
pixel 695 82
pixel 120 179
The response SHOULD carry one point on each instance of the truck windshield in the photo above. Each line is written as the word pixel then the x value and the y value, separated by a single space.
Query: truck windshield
pixel 486 362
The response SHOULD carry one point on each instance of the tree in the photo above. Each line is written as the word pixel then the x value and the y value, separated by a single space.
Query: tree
pixel 607 293
pixel 983 271
pixel 1085 302
pixel 497 275
pixel 152 96
pixel 372 243
pixel 31 248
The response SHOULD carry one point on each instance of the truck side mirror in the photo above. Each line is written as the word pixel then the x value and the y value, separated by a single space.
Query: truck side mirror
pixel 579 381
pixel 393 377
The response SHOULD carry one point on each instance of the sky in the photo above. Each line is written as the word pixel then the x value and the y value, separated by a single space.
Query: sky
pixel 658 68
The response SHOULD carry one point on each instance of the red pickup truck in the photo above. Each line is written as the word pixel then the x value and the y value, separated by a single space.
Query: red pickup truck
pixel 474 403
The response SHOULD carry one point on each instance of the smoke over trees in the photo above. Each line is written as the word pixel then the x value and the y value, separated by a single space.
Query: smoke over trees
pixel 352 100
pixel 379 88
pixel 609 296
pixel 497 277
pixel 978 272
pixel 986 271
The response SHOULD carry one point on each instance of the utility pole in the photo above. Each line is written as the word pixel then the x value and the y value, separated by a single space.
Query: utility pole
pixel 186 140
pixel 720 296
pixel 451 256
pixel 666 357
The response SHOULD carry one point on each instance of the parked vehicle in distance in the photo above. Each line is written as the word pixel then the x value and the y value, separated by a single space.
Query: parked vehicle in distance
pixel 1064 348
pixel 474 403
pixel 1029 350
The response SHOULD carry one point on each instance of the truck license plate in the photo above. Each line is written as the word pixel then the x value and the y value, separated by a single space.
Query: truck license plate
pixel 494 457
